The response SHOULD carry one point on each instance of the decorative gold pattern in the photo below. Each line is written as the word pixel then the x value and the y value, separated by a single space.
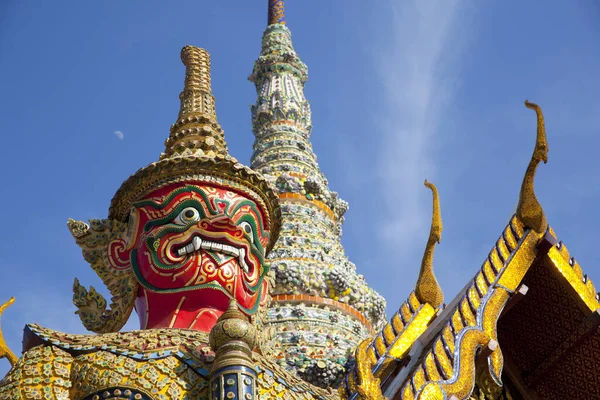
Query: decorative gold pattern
pixel 164 378
pixel 41 373
pixel 408 322
pixel 471 323
pixel 413 329
pixel 428 289
pixel 232 325
pixel 233 337
pixel 164 363
pixel 368 387
pixel 529 210
pixel 4 350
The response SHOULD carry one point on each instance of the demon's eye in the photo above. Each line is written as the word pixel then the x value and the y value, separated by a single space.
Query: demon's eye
pixel 187 215
pixel 247 230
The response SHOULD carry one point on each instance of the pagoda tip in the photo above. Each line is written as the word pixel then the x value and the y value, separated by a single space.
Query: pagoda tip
pixel 276 12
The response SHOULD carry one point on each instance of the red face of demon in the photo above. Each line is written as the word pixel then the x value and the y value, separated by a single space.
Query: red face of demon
pixel 195 246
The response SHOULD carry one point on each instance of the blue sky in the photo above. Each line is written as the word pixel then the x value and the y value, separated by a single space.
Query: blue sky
pixel 400 91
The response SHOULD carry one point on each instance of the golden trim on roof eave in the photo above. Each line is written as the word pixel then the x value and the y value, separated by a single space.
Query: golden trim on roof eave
pixel 383 352
pixel 585 290
pixel 469 324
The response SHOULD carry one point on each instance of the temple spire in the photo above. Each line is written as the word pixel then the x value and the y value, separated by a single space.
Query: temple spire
pixel 310 266
pixel 276 12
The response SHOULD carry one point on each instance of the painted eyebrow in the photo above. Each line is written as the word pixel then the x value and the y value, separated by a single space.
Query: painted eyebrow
pixel 159 206
pixel 252 205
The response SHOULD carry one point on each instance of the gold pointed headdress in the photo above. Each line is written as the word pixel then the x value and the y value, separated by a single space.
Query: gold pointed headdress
pixel 196 150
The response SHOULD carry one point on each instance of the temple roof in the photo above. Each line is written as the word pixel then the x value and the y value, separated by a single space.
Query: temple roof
pixel 528 323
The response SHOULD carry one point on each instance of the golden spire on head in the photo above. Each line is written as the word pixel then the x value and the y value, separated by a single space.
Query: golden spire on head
pixel 196 151
pixel 529 210
pixel 428 289
pixel 197 84
pixel 196 131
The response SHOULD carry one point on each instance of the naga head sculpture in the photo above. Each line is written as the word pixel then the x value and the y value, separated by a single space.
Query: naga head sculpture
pixel 185 235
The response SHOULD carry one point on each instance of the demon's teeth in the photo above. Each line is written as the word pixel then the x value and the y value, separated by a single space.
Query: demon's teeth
pixel 197 243
pixel 230 250
pixel 242 260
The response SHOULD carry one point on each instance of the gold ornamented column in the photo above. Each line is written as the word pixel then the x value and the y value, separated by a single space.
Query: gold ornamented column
pixel 232 374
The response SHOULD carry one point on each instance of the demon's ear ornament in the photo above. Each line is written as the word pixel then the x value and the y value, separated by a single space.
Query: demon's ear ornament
pixel 104 246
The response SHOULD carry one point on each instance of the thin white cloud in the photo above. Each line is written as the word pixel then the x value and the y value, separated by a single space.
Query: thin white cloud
pixel 416 66
pixel 119 135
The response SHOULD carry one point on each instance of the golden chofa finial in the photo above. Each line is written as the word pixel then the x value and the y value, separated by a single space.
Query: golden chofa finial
pixel 4 350
pixel 196 131
pixel 428 289
pixel 529 210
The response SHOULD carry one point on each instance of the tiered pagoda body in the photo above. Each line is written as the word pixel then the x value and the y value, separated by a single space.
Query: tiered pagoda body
pixel 244 293
pixel 321 307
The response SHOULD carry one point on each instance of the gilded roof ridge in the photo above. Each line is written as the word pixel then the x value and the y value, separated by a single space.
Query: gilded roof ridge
pixel 481 300
pixel 573 273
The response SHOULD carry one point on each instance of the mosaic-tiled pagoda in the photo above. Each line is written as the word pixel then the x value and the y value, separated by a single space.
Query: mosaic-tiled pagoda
pixel 321 307
pixel 243 291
